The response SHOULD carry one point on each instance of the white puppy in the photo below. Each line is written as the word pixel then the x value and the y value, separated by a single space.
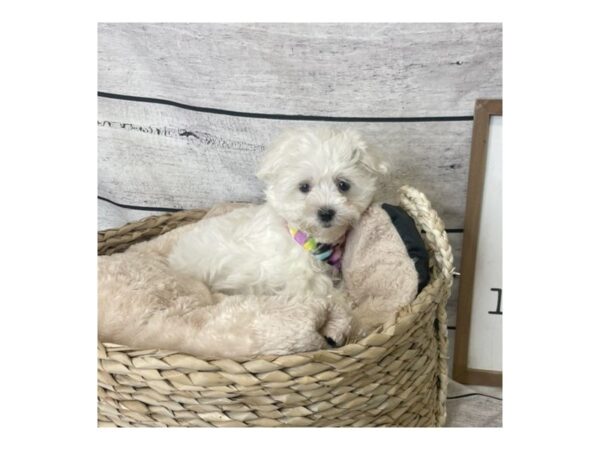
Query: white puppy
pixel 277 262
pixel 317 181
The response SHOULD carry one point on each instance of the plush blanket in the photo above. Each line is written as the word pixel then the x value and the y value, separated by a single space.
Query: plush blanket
pixel 144 303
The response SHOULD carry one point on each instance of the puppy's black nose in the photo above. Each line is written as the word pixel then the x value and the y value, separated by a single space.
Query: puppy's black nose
pixel 326 214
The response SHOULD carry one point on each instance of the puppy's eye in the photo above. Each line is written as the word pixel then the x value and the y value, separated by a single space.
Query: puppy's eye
pixel 304 187
pixel 343 186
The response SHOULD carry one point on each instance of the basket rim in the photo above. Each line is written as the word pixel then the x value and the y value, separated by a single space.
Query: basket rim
pixel 406 194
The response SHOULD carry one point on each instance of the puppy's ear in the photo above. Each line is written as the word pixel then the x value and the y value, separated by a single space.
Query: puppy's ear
pixel 274 158
pixel 371 160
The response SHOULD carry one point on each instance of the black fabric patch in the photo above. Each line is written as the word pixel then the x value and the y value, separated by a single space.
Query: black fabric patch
pixel 406 228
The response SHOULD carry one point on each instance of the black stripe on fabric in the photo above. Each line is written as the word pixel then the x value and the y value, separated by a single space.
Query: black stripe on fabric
pixel 226 112
pixel 474 394
pixel 409 233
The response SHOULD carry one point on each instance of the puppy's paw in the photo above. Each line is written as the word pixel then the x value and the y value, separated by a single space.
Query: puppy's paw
pixel 331 342
pixel 338 323
pixel 300 324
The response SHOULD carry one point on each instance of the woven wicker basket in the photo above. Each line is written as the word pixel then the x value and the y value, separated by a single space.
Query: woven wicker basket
pixel 396 376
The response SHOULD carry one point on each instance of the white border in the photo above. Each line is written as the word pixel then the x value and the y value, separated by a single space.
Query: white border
pixel 49 138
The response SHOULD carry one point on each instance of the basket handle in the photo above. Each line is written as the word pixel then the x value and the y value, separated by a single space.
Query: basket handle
pixel 436 239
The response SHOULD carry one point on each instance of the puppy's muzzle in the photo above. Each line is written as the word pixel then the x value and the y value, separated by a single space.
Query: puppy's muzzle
pixel 326 215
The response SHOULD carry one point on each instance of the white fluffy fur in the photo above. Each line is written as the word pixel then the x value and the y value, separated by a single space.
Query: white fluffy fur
pixel 249 252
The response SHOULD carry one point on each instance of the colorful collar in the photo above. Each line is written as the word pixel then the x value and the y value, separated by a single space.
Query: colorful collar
pixel 329 253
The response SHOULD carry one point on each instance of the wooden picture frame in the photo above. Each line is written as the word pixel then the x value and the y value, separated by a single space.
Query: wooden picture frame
pixel 484 110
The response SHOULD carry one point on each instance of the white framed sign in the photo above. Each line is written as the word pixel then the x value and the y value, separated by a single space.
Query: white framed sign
pixel 478 345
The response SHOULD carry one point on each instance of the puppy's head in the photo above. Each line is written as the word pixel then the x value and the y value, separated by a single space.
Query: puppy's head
pixel 320 180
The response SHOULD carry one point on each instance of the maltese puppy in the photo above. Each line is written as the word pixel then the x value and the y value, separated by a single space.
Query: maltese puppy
pixel 318 183
pixel 273 270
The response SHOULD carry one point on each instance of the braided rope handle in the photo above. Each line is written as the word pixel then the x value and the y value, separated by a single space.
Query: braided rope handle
pixel 436 238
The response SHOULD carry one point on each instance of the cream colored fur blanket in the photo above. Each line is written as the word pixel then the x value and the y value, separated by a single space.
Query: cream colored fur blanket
pixel 143 303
